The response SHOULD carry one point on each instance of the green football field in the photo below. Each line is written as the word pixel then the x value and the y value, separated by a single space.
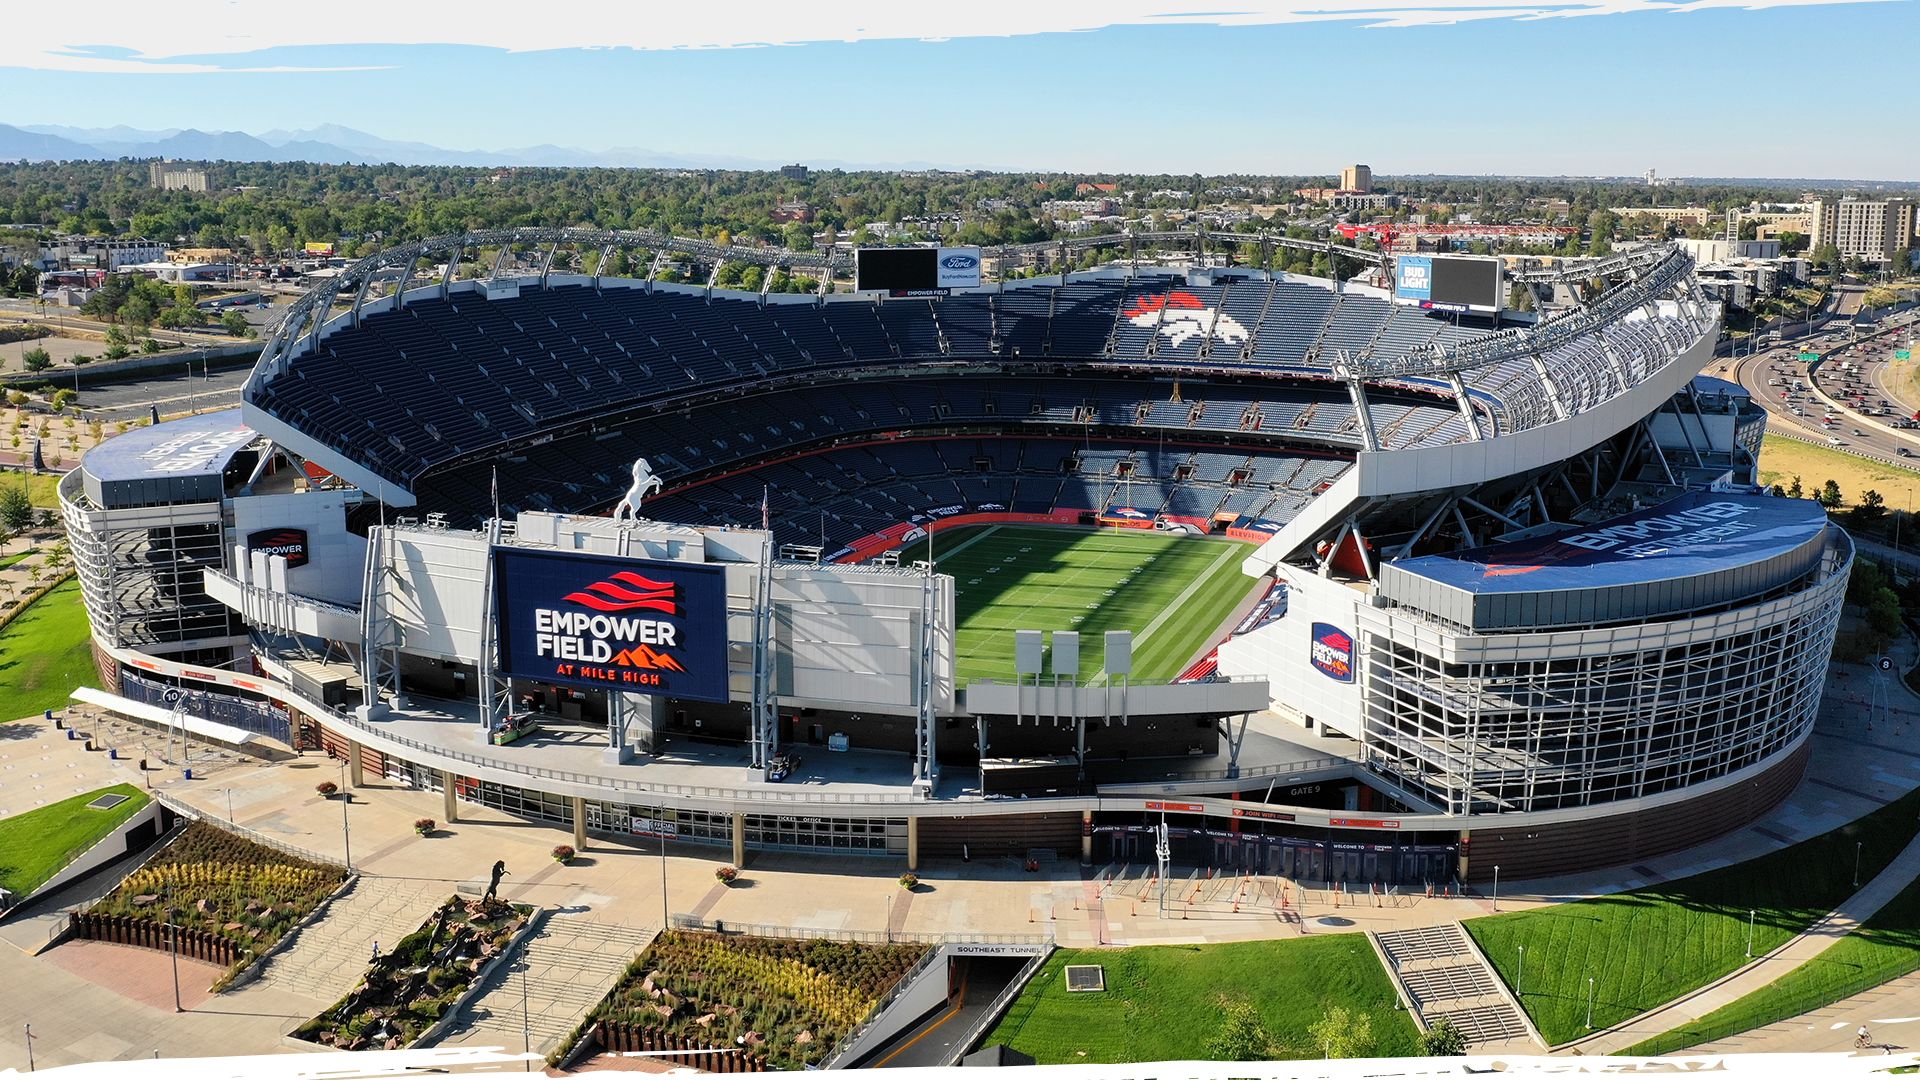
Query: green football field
pixel 1173 592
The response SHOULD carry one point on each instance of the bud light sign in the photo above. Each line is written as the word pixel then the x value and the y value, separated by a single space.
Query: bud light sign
pixel 1413 277
pixel 602 622
pixel 1332 652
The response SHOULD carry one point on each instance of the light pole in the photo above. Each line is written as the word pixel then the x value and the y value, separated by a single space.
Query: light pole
pixel 1856 863
pixel 1496 888
pixel 526 1029
pixel 1750 914
pixel 30 1067
pixel 889 924
pixel 1520 979
pixel 661 825
pixel 173 947
pixel 346 834
pixel 229 806
pixel 1589 1003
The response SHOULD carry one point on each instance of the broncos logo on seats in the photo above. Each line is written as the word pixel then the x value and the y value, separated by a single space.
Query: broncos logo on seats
pixel 1180 315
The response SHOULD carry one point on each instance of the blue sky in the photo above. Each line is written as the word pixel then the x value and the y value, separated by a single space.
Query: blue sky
pixel 1717 91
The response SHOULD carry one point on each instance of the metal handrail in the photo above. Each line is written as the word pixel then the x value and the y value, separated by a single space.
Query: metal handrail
pixel 899 987
pixel 1250 773
pixel 685 921
pixel 626 786
pixel 194 812
pixel 1001 1002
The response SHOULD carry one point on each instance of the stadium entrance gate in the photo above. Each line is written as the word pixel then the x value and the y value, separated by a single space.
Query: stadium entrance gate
pixel 1300 858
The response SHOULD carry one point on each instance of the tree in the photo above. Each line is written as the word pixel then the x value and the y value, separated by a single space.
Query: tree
pixel 1242 1037
pixel 1826 257
pixel 1829 496
pixel 16 510
pixel 235 323
pixel 63 398
pixel 1870 509
pixel 1443 1038
pixel 1342 1033
pixel 1883 616
pixel 37 359
pixel 1795 492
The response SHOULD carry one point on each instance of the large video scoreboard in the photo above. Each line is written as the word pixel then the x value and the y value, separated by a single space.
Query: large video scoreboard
pixel 916 271
pixel 1465 283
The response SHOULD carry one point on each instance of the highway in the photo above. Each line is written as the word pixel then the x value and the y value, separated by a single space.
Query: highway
pixel 1778 380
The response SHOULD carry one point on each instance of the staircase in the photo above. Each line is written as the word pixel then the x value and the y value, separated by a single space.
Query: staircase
pixel 567 966
pixel 326 959
pixel 1442 974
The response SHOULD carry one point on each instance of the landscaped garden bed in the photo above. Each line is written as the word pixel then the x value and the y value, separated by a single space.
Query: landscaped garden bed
pixel 229 898
pixel 774 1003
pixel 408 990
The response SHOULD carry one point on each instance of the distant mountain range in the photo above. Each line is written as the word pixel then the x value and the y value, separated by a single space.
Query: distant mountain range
pixel 332 144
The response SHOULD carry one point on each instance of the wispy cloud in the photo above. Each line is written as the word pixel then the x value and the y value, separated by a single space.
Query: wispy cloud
pixel 120 36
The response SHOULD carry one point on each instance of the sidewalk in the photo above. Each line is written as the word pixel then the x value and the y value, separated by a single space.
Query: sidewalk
pixel 1842 921
pixel 1891 1013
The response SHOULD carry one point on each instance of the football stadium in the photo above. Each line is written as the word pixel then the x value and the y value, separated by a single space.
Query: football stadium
pixel 1366 580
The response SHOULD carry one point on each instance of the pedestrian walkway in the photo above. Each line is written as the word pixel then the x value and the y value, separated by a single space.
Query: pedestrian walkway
pixel 328 957
pixel 1890 1012
pixel 1817 939
pixel 562 973
pixel 1443 975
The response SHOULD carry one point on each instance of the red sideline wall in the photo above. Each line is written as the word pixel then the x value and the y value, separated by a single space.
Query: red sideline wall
pixel 889 537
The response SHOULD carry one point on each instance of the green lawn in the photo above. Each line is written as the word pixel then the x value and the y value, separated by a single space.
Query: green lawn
pixel 1647 947
pixel 1009 577
pixel 16 557
pixel 37 844
pixel 1162 1002
pixel 44 654
pixel 42 488
pixel 1885 947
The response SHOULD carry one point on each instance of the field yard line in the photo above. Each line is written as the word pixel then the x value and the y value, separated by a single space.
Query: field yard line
pixel 1172 606
pixel 971 540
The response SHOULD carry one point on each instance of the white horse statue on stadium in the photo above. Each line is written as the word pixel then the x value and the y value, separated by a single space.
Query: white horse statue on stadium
pixel 644 484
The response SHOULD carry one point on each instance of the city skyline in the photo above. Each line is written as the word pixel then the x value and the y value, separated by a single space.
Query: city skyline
pixel 1143 91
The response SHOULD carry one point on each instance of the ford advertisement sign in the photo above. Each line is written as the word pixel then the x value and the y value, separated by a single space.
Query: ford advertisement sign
pixel 1332 652
pixel 603 622
pixel 290 544
pixel 958 268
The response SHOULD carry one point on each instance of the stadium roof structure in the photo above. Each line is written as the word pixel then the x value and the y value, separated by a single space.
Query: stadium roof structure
pixel 1687 554
pixel 175 460
pixel 1699 532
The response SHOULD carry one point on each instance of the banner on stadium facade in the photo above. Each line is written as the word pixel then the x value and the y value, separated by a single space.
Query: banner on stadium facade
pixel 1127 517
pixel 289 544
pixel 602 622
pixel 1413 277
pixel 958 268
pixel 1332 652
